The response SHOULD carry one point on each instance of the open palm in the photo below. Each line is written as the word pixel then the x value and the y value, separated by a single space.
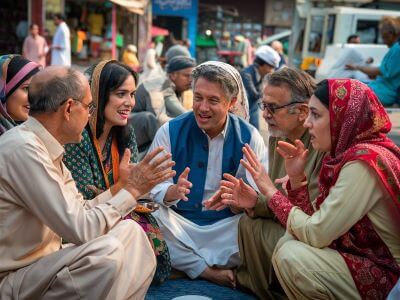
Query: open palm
pixel 295 157
pixel 257 170
pixel 236 192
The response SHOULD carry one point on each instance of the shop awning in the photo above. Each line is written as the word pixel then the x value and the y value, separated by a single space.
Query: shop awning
pixel 135 6
pixel 155 31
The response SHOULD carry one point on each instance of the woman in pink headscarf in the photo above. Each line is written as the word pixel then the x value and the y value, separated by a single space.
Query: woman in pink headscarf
pixel 15 75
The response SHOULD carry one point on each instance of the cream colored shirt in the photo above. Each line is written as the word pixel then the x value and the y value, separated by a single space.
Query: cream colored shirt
pixel 357 192
pixel 39 202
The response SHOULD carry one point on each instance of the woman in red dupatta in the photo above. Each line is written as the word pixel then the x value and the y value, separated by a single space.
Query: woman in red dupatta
pixel 351 233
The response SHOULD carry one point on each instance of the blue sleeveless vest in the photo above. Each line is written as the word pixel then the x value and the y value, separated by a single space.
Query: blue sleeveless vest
pixel 189 148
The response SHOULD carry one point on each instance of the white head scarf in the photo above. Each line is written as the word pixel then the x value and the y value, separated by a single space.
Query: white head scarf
pixel 241 107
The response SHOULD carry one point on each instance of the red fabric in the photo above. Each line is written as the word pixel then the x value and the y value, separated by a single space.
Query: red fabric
pixel 301 198
pixel 281 205
pixel 358 124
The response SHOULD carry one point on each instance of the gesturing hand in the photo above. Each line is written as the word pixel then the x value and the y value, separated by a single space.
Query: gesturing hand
pixel 295 158
pixel 237 193
pixel 142 177
pixel 257 171
pixel 214 203
pixel 181 188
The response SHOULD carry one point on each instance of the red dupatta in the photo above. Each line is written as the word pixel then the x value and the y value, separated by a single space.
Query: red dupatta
pixel 359 125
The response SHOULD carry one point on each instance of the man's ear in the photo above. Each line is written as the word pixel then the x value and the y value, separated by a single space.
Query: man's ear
pixel 232 102
pixel 66 109
pixel 303 112
pixel 172 76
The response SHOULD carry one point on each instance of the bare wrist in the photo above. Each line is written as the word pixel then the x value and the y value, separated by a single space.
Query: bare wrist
pixel 270 193
pixel 116 188
pixel 298 178
pixel 171 194
pixel 134 192
pixel 298 181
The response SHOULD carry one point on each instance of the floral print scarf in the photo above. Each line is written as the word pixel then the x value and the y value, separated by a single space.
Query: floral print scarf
pixel 359 125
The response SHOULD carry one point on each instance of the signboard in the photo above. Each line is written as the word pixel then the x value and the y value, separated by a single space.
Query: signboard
pixel 175 7
pixel 187 9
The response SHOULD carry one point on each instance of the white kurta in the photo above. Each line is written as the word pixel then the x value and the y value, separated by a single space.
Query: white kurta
pixel 194 247
pixel 61 57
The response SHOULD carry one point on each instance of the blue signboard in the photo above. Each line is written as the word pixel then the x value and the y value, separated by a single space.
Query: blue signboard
pixel 187 9
pixel 175 7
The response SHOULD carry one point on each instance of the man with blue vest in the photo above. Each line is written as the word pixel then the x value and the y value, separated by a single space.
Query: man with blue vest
pixel 205 144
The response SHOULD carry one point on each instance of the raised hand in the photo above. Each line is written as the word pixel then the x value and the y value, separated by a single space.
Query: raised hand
pixel 142 177
pixel 295 158
pixel 235 192
pixel 181 188
pixel 214 203
pixel 283 181
pixel 257 171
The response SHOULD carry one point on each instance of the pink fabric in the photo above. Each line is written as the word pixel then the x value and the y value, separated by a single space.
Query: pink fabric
pixel 35 49
pixel 20 75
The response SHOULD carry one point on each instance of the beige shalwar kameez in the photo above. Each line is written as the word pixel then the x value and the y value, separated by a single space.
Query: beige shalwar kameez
pixel 259 235
pixel 39 204
pixel 306 267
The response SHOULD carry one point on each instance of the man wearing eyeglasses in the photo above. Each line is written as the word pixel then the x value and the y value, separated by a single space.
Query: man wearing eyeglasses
pixel 40 204
pixel 286 93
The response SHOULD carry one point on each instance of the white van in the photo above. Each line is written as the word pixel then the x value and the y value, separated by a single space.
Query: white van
pixel 327 26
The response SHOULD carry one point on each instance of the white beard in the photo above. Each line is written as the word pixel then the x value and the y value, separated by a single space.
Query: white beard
pixel 276 132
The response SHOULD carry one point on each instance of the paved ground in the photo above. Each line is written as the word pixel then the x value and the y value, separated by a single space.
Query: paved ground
pixel 185 287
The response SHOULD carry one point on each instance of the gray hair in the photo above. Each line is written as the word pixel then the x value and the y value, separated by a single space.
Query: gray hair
pixel 219 75
pixel 390 25
pixel 47 96
pixel 301 84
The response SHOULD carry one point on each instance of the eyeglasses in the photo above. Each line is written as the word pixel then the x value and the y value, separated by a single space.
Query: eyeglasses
pixel 91 106
pixel 272 107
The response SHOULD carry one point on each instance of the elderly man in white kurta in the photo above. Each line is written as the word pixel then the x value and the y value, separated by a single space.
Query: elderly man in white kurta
pixel 39 204
pixel 61 45
pixel 205 144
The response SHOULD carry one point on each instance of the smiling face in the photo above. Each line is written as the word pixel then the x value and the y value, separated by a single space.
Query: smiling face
pixel 17 104
pixel 120 104
pixel 318 125
pixel 210 106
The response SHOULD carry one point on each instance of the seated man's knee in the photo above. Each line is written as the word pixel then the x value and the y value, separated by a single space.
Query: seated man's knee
pixel 246 226
pixel 107 254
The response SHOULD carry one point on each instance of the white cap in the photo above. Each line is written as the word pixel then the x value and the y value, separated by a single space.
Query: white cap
pixel 132 48
pixel 269 55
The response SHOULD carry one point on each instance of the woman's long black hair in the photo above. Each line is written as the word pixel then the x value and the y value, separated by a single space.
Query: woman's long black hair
pixel 112 77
